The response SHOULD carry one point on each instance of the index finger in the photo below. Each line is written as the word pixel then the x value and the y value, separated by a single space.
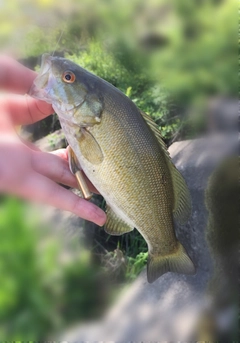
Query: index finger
pixel 40 188
pixel 14 76
pixel 24 110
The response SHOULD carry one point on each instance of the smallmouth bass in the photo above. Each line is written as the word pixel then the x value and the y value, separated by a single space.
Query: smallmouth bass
pixel 120 150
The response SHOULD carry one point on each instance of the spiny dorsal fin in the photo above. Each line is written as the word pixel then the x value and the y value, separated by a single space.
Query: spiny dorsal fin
pixel 114 224
pixel 182 199
pixel 89 147
pixel 156 132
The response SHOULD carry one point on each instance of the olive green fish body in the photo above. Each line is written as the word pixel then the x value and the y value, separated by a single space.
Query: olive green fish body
pixel 124 158
pixel 137 180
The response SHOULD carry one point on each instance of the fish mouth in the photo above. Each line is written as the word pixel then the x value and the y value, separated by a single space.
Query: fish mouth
pixel 41 86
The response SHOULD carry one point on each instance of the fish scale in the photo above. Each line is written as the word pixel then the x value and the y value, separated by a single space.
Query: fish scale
pixel 121 152
pixel 137 172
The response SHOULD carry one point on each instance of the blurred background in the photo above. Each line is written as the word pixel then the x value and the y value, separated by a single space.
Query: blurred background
pixel 177 61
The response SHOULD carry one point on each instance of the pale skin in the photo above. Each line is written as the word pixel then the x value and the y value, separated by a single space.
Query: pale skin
pixel 24 170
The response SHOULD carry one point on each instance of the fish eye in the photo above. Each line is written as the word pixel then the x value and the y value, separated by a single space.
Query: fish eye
pixel 68 77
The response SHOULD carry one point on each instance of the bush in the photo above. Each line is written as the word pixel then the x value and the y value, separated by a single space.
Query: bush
pixel 27 308
pixel 40 290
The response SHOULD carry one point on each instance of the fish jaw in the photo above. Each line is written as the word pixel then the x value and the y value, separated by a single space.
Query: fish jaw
pixel 44 82
pixel 42 93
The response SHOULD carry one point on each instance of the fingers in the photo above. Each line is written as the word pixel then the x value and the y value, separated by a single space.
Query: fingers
pixel 63 153
pixel 14 76
pixel 25 110
pixel 53 167
pixel 38 187
pixel 56 167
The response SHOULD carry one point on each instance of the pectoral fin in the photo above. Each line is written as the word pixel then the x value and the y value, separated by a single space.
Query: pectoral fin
pixel 89 147
pixel 114 224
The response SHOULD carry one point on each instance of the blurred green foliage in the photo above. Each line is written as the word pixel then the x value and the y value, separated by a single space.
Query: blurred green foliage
pixel 40 290
pixel 135 265
pixel 26 306
pixel 199 60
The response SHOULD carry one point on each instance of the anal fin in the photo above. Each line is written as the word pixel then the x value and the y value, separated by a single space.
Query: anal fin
pixel 115 225
pixel 177 262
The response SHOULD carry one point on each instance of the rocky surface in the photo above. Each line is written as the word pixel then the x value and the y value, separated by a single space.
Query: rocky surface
pixel 169 308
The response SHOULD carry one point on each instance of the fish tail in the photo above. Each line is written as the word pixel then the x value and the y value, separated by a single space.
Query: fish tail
pixel 177 262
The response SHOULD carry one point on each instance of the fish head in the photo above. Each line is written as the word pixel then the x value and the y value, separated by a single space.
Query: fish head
pixel 69 89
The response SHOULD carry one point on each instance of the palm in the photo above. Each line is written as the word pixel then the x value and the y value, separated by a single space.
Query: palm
pixel 24 170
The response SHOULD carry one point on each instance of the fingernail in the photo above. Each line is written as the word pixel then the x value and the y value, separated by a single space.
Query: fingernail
pixel 101 218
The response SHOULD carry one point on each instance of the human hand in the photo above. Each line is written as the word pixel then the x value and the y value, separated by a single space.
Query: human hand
pixel 24 170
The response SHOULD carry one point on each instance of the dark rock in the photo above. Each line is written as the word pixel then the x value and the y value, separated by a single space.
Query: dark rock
pixel 222 115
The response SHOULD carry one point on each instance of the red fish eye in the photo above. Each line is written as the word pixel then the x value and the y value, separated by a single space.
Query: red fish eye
pixel 69 77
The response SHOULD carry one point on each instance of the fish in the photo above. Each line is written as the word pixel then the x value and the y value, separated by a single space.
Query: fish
pixel 121 151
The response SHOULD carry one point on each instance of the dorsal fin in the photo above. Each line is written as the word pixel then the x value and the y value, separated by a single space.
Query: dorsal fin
pixel 156 132
pixel 182 199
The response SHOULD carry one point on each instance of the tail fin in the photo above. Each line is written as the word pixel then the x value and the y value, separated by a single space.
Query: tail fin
pixel 178 262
